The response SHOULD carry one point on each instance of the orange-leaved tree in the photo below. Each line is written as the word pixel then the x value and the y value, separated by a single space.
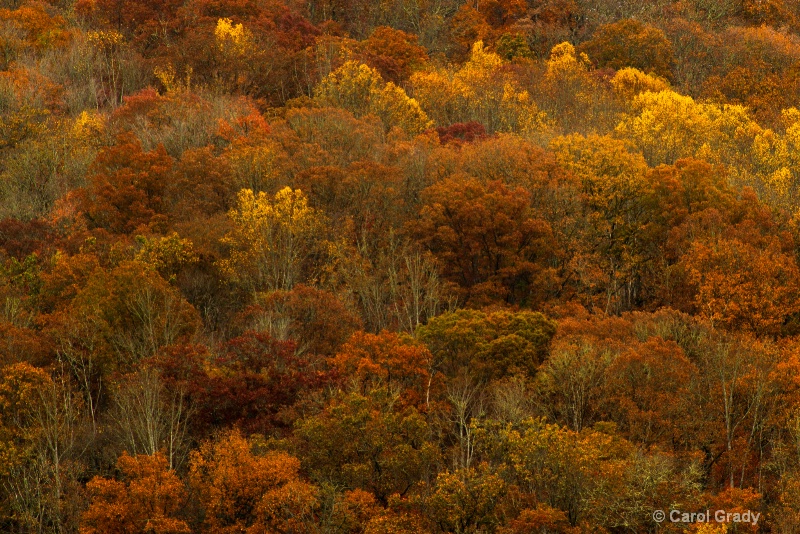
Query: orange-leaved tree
pixel 148 500
pixel 490 242
pixel 241 491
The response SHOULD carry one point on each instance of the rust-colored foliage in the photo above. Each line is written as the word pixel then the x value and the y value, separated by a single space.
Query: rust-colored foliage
pixel 488 239
pixel 385 360
pixel 126 191
pixel 149 498
pixel 393 52
pixel 429 266
pixel 461 132
pixel 315 320
pixel 631 43
pixel 254 381
pixel 245 492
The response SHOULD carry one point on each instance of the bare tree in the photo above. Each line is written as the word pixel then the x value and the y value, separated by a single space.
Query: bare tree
pixel 43 488
pixel 511 400
pixel 572 380
pixel 78 344
pixel 467 400
pixel 399 289
pixel 147 417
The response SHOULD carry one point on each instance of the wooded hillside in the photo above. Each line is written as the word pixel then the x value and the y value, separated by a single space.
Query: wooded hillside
pixel 408 266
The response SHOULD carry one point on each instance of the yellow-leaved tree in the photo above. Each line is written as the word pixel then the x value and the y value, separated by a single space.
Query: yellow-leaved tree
pixel 239 57
pixel 571 95
pixel 483 91
pixel 20 388
pixel 776 160
pixel 273 240
pixel 629 82
pixel 258 166
pixel 565 63
pixel 361 90
pixel 233 39
pixel 666 126
pixel 615 193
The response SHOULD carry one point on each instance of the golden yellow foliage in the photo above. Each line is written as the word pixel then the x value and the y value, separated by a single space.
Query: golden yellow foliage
pixel 564 63
pixel 466 497
pixel 166 254
pixel 614 188
pixel 105 39
pixel 170 79
pixel 361 90
pixel 479 91
pixel 272 239
pixel 572 95
pixel 776 158
pixel 261 166
pixel 349 87
pixel 21 387
pixel 708 528
pixel 666 126
pixel 233 39
pixel 629 82
pixel 395 108
pixel 88 127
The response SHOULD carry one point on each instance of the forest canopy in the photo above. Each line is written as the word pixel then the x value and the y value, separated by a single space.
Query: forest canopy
pixel 351 267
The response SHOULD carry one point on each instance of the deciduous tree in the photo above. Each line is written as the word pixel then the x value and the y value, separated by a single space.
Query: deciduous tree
pixel 149 498
pixel 242 491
